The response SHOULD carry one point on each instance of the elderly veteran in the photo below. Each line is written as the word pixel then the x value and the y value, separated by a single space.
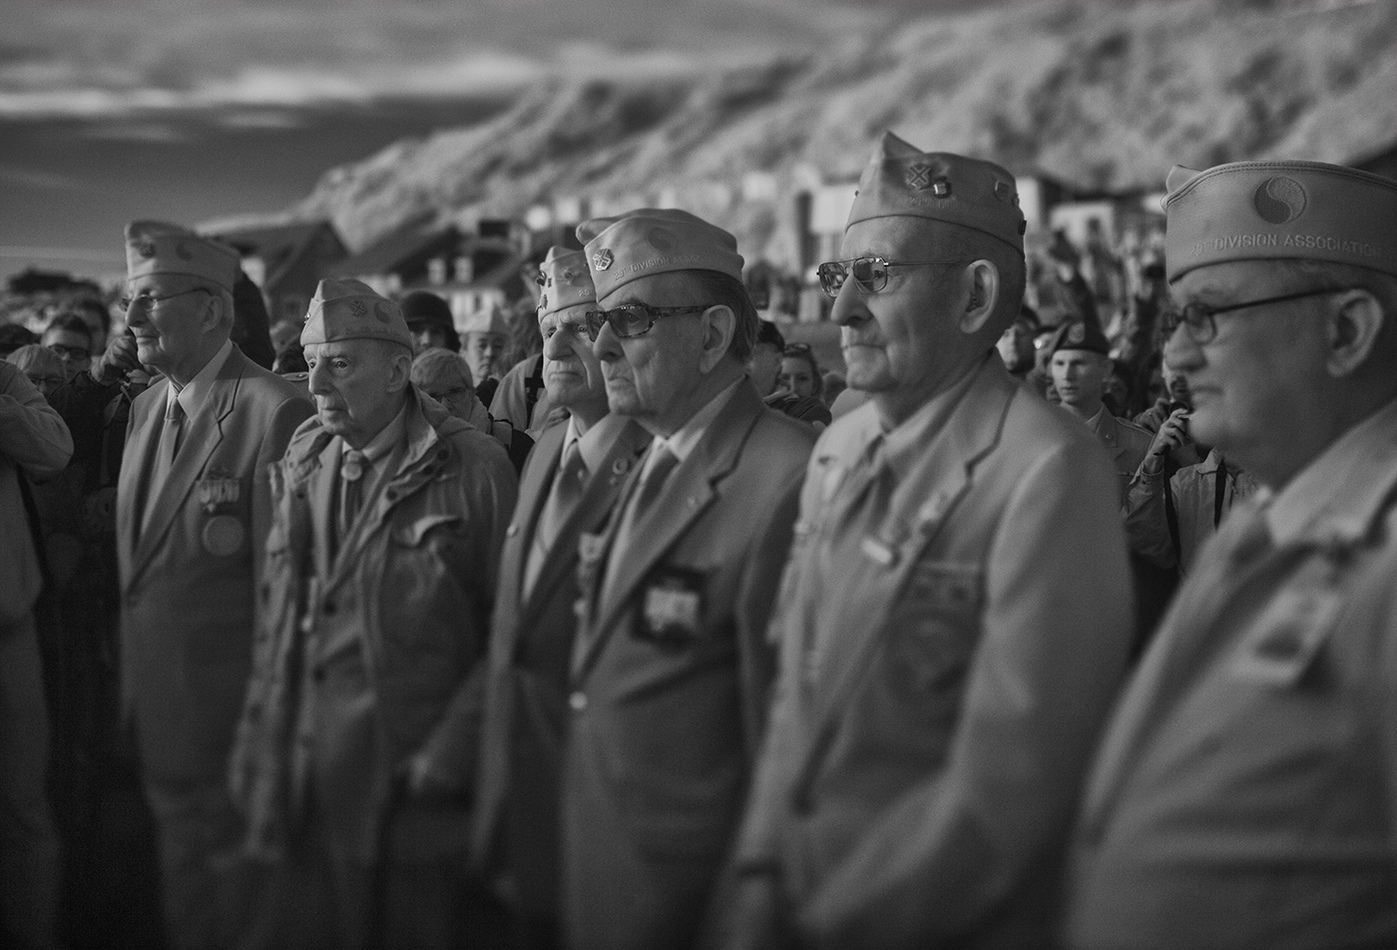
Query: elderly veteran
pixel 570 484
pixel 955 613
pixel 193 507
pixel 670 665
pixel 485 340
pixel 358 738
pixel 1244 792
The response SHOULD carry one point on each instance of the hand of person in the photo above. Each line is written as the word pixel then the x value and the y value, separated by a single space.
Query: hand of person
pixel 119 359
pixel 1172 434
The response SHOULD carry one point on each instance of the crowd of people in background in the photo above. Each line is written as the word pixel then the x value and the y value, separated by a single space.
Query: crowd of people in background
pixel 1059 614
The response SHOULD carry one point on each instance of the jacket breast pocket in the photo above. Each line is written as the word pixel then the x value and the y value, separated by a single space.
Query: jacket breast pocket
pixel 433 578
pixel 935 625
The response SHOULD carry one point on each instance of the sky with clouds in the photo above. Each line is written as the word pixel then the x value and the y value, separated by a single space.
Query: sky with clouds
pixel 111 109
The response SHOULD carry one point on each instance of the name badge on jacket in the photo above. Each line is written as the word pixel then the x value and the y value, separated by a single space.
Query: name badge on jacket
pixel 671 607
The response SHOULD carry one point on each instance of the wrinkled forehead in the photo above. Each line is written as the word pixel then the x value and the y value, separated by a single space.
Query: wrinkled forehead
pixel 575 315
pixel 1222 282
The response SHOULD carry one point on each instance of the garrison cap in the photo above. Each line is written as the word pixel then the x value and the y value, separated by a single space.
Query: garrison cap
pixel 351 310
pixel 903 181
pixel 1247 211
pixel 565 279
pixel 155 247
pixel 655 241
pixel 1077 335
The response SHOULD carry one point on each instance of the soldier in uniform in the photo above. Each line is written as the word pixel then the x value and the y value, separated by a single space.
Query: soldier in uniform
pixel 670 665
pixel 1243 793
pixel 569 486
pixel 193 506
pixel 955 613
pixel 358 738
pixel 1080 364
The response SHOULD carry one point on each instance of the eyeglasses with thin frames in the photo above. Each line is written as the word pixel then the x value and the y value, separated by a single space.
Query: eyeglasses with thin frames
pixel 1199 317
pixel 869 273
pixel 634 319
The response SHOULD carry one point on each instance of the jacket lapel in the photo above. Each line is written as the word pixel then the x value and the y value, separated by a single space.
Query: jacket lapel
pixel 597 502
pixel 916 519
pixel 533 494
pixel 198 444
pixel 685 498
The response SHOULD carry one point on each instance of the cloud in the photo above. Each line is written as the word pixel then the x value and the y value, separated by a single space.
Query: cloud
pixel 88 58
pixel 45 180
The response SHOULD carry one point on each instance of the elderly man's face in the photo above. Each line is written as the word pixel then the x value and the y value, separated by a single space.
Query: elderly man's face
pixel 650 377
pixel 351 380
pixel 1079 376
pixel 1260 380
pixel 166 315
pixel 572 373
pixel 485 353
pixel 903 338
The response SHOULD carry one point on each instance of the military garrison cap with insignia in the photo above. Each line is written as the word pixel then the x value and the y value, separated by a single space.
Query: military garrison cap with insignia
pixel 566 281
pixel 1279 210
pixel 903 181
pixel 655 241
pixel 351 310
pixel 154 247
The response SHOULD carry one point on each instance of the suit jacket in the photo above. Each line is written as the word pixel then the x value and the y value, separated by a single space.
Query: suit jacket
pixel 187 584
pixel 942 686
pixel 525 716
pixel 1242 795
pixel 669 682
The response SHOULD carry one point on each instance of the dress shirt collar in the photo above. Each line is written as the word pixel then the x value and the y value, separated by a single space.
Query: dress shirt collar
pixel 596 442
pixel 192 396
pixel 681 442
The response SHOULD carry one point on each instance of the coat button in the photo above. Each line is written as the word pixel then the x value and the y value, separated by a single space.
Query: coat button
pixel 329 608
pixel 511 531
pixel 578 701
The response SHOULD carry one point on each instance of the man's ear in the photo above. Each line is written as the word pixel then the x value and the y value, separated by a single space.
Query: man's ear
pixel 1352 329
pixel 980 285
pixel 399 370
pixel 719 326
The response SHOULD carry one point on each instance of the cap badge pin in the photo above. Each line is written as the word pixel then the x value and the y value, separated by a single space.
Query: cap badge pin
pixel 919 176
pixel 1279 200
pixel 183 252
pixel 358 308
pixel 1076 333
pixel 602 259
pixel 145 247
pixel 382 313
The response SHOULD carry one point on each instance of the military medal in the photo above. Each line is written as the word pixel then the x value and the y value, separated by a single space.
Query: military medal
pixel 220 489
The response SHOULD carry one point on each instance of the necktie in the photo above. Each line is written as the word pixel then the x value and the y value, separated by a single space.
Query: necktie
pixel 170 437
pixel 642 500
pixel 663 463
pixel 164 457
pixel 562 501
